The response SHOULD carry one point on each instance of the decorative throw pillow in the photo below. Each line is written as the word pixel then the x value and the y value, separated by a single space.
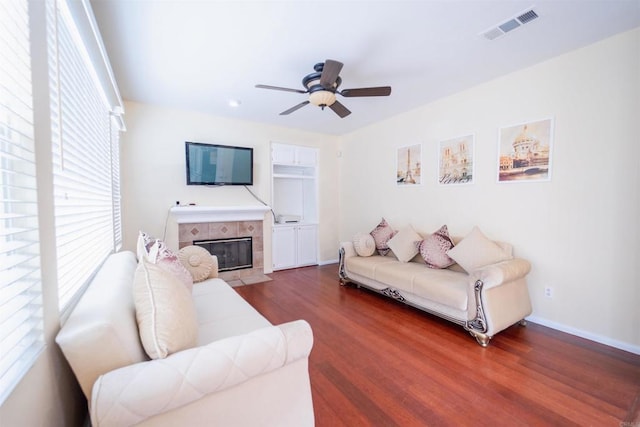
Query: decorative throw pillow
pixel 164 257
pixel 364 244
pixel 403 244
pixel 476 250
pixel 381 235
pixel 165 311
pixel 434 249
pixel 145 241
pixel 198 261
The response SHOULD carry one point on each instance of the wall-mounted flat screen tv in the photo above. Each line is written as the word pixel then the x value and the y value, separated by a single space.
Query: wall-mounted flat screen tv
pixel 210 164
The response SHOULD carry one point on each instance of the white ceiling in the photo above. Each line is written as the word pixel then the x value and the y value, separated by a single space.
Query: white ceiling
pixel 197 55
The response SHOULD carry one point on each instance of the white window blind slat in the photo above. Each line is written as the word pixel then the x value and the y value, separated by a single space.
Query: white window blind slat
pixel 82 159
pixel 20 310
pixel 21 336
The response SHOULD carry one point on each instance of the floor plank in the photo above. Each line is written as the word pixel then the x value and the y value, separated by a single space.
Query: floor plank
pixel 377 362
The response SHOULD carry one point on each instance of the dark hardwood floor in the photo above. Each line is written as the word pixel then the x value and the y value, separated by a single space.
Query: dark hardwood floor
pixel 380 363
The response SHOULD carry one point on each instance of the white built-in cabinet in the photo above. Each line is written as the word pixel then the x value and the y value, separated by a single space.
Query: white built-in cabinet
pixel 294 245
pixel 294 195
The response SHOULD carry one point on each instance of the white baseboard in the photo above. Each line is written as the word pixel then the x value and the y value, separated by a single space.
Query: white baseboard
pixel 327 262
pixel 587 335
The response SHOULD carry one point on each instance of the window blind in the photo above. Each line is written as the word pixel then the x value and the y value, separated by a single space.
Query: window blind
pixel 82 143
pixel 21 330
pixel 115 183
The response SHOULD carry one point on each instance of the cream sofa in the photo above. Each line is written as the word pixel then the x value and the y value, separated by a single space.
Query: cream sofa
pixel 484 301
pixel 243 372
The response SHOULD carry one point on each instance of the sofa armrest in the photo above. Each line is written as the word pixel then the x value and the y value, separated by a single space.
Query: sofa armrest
pixel 502 272
pixel 134 393
pixel 501 298
pixel 348 248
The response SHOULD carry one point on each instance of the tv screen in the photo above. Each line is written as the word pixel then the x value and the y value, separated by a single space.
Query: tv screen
pixel 210 164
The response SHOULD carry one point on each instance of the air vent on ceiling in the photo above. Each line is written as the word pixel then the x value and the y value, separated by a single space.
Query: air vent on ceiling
pixel 528 16
pixel 509 25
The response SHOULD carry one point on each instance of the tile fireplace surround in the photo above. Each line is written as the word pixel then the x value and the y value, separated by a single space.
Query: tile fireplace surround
pixel 224 222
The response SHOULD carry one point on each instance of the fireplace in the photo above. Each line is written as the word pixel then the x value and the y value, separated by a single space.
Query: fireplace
pixel 209 223
pixel 233 253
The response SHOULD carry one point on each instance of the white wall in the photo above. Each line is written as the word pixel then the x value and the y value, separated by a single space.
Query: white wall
pixel 153 170
pixel 580 230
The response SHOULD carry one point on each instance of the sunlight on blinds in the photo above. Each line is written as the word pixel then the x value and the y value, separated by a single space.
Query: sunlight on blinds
pixel 21 336
pixel 82 146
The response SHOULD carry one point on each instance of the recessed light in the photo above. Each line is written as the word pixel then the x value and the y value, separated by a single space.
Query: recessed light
pixel 235 103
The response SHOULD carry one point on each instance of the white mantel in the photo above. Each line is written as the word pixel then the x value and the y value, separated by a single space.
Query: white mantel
pixel 196 214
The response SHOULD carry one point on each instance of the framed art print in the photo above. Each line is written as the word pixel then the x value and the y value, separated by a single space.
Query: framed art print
pixel 455 160
pixel 408 165
pixel 525 151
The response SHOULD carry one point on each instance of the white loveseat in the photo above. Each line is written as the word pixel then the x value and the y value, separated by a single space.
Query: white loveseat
pixel 244 371
pixel 484 301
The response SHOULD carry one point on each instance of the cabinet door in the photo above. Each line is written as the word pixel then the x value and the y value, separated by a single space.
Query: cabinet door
pixel 283 154
pixel 284 247
pixel 307 245
pixel 307 156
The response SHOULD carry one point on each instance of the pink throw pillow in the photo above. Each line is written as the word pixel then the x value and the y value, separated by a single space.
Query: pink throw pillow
pixel 435 247
pixel 381 235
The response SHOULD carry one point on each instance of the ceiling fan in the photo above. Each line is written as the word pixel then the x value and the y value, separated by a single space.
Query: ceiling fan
pixel 322 86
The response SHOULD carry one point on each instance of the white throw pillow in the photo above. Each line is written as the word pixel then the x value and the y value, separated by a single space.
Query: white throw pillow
pixel 199 262
pixel 364 244
pixel 165 311
pixel 404 244
pixel 476 250
pixel 160 255
pixel 143 244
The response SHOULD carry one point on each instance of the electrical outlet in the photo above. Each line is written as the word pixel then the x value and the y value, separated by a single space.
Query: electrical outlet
pixel 548 292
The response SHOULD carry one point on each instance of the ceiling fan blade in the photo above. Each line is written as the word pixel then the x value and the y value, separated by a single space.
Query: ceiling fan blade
pixel 286 89
pixel 330 72
pixel 294 108
pixel 367 91
pixel 340 109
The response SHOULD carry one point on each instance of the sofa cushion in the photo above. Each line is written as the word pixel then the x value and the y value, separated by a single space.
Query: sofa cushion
pixel 381 235
pixel 476 250
pixel 364 244
pixel 222 312
pixel 367 266
pixel 198 261
pixel 399 275
pixel 446 287
pixel 434 249
pixel 101 334
pixel 442 286
pixel 403 244
pixel 165 311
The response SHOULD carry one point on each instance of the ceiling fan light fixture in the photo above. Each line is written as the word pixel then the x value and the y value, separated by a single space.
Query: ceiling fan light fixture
pixel 322 87
pixel 322 98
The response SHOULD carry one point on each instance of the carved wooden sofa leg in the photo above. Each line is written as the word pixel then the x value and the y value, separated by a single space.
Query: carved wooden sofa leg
pixel 483 339
pixel 341 273
pixel 478 326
